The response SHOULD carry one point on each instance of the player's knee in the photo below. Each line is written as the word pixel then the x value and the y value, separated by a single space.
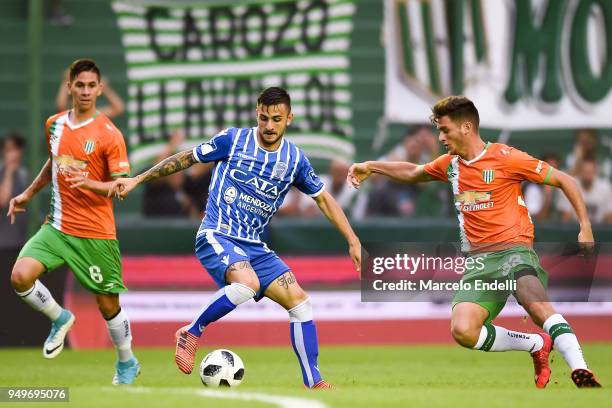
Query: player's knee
pixel 21 279
pixel 109 306
pixel 302 312
pixel 251 283
pixel 109 311
pixel 465 333
pixel 238 293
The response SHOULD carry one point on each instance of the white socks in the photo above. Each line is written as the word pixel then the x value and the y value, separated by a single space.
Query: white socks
pixel 121 335
pixel 565 341
pixel 301 313
pixel 237 293
pixel 40 299
pixel 496 338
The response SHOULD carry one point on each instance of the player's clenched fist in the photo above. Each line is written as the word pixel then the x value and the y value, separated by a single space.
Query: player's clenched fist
pixel 357 173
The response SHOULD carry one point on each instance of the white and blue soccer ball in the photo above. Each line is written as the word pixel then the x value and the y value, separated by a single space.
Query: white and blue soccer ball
pixel 221 368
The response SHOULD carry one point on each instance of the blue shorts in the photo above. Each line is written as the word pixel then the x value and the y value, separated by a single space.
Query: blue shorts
pixel 217 252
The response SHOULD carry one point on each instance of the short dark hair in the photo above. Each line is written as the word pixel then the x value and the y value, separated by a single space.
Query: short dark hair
pixel 274 96
pixel 83 65
pixel 17 138
pixel 456 108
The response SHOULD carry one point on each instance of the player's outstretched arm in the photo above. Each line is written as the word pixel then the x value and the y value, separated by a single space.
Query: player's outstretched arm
pixel 403 172
pixel 79 179
pixel 568 185
pixel 17 203
pixel 178 162
pixel 334 213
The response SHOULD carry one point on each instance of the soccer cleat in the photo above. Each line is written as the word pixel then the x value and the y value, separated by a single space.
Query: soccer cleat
pixel 540 362
pixel 59 328
pixel 323 385
pixel 186 347
pixel 126 372
pixel 584 378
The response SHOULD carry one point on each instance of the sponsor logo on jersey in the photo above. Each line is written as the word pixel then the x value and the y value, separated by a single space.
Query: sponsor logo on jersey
pixel 279 170
pixel 89 146
pixel 488 175
pixel 245 156
pixel 539 167
pixel 230 195
pixel 263 187
pixel 474 200
pixel 472 197
pixel 254 205
pixel 66 163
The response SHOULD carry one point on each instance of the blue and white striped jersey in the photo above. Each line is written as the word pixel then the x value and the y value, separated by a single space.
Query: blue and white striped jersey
pixel 249 183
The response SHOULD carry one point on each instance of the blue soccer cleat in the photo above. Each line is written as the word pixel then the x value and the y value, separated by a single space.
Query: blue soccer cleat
pixel 126 372
pixel 59 328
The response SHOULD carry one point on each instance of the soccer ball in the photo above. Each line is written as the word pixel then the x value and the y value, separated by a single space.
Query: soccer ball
pixel 221 368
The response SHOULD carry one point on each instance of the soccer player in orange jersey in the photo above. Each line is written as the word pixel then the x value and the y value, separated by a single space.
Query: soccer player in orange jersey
pixel 493 220
pixel 86 153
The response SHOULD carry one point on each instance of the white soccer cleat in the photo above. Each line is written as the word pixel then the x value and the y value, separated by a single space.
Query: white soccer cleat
pixel 59 328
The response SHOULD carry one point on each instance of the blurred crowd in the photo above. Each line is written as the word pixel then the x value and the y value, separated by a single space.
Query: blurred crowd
pixel 589 162
pixel 184 194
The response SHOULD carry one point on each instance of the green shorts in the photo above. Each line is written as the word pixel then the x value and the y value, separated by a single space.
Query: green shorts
pixel 96 263
pixel 491 277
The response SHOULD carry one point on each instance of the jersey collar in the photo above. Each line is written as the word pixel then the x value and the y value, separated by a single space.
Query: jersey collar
pixel 477 157
pixel 72 126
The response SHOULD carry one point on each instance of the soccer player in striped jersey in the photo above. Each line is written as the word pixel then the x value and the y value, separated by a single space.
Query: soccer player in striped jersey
pixel 254 169
pixel 494 221
pixel 86 152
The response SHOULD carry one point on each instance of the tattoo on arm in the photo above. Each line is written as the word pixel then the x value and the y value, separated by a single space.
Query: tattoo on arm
pixel 172 164
pixel 286 280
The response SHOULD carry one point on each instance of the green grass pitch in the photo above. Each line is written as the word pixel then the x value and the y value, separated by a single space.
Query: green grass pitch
pixel 409 376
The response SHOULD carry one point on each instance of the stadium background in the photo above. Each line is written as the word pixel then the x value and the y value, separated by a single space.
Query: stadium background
pixel 167 284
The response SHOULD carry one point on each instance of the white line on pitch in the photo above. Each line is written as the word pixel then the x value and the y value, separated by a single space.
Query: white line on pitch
pixel 280 401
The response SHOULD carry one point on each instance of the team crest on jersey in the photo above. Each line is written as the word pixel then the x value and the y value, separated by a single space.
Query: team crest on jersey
pixel 488 175
pixel 279 170
pixel 89 146
pixel 230 195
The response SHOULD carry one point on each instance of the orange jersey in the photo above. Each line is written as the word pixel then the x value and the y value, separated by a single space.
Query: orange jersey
pixel 97 147
pixel 487 193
